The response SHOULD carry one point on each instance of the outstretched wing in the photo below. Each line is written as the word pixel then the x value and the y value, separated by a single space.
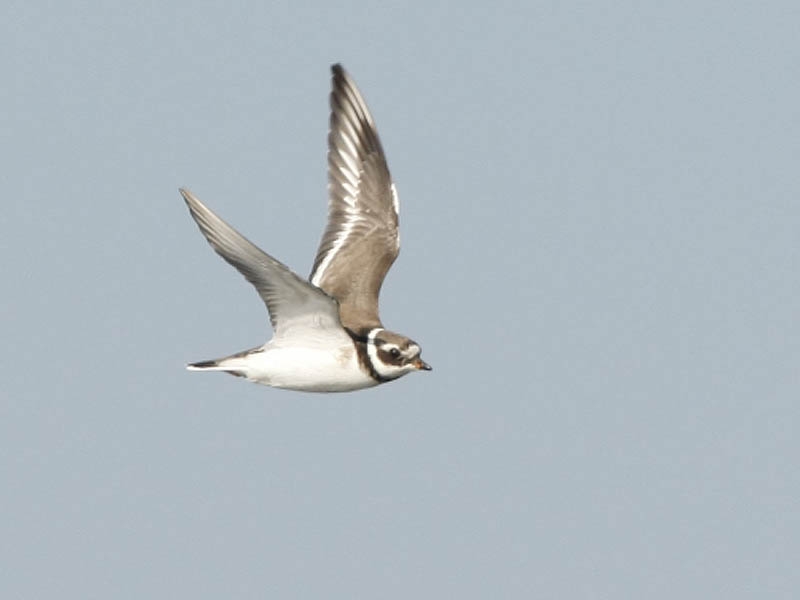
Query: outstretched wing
pixel 361 240
pixel 292 302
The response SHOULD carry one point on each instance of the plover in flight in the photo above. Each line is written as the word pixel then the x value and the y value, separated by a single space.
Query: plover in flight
pixel 328 336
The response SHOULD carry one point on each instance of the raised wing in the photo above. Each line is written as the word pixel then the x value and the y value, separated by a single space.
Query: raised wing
pixel 361 240
pixel 291 301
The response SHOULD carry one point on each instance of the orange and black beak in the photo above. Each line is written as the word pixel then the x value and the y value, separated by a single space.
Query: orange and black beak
pixel 421 365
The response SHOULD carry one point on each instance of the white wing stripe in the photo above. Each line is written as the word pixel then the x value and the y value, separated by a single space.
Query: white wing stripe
pixel 395 201
pixel 341 239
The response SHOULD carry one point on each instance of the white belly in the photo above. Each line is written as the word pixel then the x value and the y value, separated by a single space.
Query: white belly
pixel 307 369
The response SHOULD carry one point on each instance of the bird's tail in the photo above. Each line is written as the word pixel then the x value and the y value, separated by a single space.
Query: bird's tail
pixel 204 365
pixel 233 364
pixel 214 365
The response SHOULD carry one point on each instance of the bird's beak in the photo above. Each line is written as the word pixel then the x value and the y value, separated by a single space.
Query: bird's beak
pixel 421 365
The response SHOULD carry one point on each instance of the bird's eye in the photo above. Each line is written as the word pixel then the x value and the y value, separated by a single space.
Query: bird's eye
pixel 394 353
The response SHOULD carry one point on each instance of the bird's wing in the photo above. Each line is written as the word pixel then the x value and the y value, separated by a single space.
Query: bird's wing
pixel 292 302
pixel 361 240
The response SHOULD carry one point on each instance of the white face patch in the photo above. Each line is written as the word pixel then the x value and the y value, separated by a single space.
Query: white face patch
pixel 388 371
pixel 411 351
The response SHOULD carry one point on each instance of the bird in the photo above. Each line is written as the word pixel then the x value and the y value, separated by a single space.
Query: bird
pixel 327 332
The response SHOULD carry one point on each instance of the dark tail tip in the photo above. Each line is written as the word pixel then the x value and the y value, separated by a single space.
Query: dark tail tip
pixel 203 364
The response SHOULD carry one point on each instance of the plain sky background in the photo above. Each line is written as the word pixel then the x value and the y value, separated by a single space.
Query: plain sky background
pixel 600 207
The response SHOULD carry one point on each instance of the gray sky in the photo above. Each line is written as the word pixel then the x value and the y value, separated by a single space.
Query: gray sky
pixel 599 209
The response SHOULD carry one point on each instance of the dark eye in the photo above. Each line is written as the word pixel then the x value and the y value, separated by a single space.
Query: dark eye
pixel 394 353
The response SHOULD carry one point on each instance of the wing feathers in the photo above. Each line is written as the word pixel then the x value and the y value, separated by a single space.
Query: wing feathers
pixel 289 299
pixel 360 242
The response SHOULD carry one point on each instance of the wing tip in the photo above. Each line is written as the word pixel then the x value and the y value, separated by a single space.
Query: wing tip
pixel 188 196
